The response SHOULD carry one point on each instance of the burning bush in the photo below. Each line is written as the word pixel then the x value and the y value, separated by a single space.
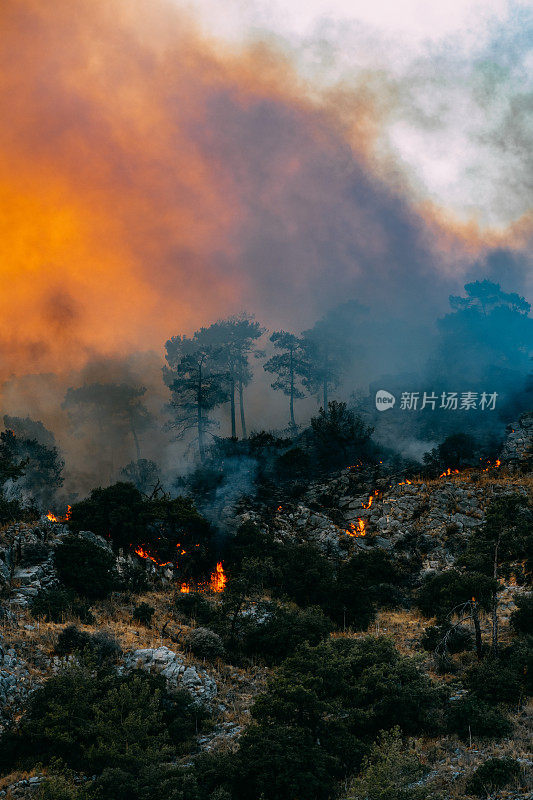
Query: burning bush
pixel 163 530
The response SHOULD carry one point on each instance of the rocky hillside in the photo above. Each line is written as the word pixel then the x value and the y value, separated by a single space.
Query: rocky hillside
pixel 425 523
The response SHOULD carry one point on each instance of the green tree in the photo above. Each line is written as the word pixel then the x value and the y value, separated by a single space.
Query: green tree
pixel 234 340
pixel 290 367
pixel 389 771
pixel 505 538
pixel 453 593
pixel 115 408
pixel 328 353
pixel 338 434
pixel 196 383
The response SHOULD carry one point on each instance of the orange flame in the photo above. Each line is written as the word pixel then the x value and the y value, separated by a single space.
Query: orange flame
pixel 357 530
pixel 52 517
pixel 145 554
pixel 449 471
pixel 218 579
pixel 68 515
pixel 185 588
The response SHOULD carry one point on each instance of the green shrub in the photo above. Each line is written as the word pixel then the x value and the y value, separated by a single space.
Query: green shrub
pixel 283 763
pixel 388 772
pixel 133 578
pixel 143 613
pixel 496 680
pixel 471 716
pixel 95 719
pixel 59 787
pixel 205 643
pixel 100 646
pixel 276 630
pixel 522 618
pixel 442 593
pixel 444 638
pixel 85 567
pixel 115 511
pixel 322 709
pixel 193 606
pixel 494 774
pixel 57 603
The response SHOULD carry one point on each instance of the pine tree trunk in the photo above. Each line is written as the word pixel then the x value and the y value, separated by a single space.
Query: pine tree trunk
pixel 136 440
pixel 201 448
pixel 495 600
pixel 291 402
pixel 241 406
pixel 232 405
pixel 477 629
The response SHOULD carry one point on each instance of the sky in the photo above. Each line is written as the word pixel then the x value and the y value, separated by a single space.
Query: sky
pixel 165 163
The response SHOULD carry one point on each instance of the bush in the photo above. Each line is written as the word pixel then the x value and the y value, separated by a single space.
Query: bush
pixel 193 606
pixel 34 553
pixel 440 594
pixel 494 774
pixel 522 618
pixel 322 709
pixel 115 511
pixel 85 567
pixel 134 578
pixel 277 630
pixel 92 720
pixel 205 643
pixel 56 603
pixel 143 613
pixel 458 639
pixel 389 772
pixel 496 681
pixel 100 647
pixel 470 716
pixel 59 787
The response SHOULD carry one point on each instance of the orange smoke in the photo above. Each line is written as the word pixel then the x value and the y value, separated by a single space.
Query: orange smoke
pixel 110 211
pixel 151 181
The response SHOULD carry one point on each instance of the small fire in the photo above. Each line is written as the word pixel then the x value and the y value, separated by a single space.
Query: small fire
pixel 369 502
pixel 357 530
pixel 52 517
pixel 145 554
pixel 404 482
pixel 185 588
pixel 218 579
pixel 280 508
pixel 68 514
pixel 449 471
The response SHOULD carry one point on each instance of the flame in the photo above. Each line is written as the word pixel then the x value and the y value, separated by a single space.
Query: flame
pixel 218 579
pixel 143 553
pixel 68 514
pixel 52 517
pixel 280 508
pixel 357 530
pixel 369 502
pixel 449 471
pixel 406 481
